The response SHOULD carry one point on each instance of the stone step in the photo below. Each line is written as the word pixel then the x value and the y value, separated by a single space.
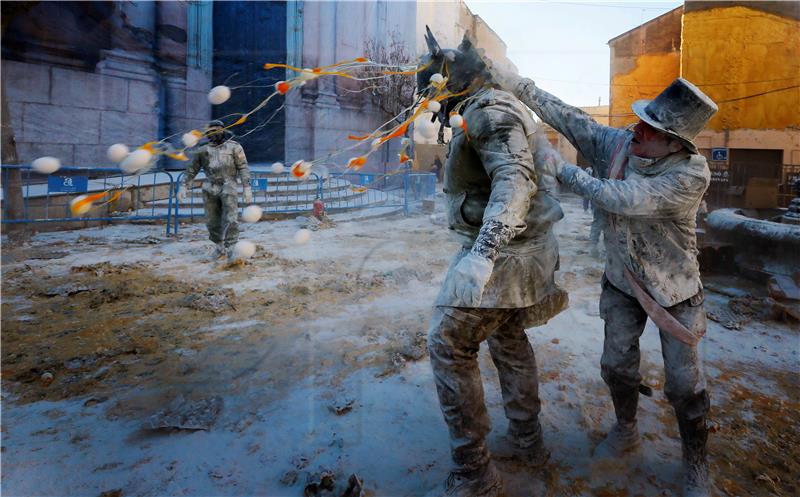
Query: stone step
pixel 301 209
pixel 286 191
pixel 343 197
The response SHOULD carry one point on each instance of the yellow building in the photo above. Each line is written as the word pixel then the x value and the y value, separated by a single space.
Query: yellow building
pixel 746 57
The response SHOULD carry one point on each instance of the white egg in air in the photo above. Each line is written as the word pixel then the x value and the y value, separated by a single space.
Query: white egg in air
pixel 301 169
pixel 456 121
pixel 79 210
pixel 251 214
pixel 302 236
pixel 219 94
pixel 437 78
pixel 434 106
pixel 277 168
pixel 243 250
pixel 189 140
pixel 426 128
pixel 136 161
pixel 46 165
pixel 117 152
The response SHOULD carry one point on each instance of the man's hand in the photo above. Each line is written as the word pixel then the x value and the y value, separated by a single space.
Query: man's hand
pixel 248 194
pixel 181 196
pixel 505 79
pixel 546 159
pixel 468 280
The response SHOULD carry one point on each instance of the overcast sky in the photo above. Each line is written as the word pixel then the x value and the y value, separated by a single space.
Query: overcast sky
pixel 563 45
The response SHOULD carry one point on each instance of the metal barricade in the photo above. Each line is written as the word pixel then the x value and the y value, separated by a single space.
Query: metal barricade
pixel 46 198
pixel 274 193
pixel 421 186
pixel 349 190
pixel 153 196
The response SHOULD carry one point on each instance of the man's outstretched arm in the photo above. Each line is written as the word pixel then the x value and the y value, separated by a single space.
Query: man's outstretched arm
pixel 593 140
pixel 664 197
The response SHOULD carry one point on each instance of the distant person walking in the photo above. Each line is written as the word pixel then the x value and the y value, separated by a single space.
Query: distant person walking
pixel 222 161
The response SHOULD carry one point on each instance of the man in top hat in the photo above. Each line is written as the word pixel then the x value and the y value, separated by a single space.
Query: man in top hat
pixel 222 160
pixel 501 281
pixel 650 182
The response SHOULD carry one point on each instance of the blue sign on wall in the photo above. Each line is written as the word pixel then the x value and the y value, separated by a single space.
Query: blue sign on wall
pixel 363 179
pixel 258 184
pixel 67 184
pixel 720 154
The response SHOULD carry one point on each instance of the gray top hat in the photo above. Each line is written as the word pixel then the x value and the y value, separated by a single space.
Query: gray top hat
pixel 681 111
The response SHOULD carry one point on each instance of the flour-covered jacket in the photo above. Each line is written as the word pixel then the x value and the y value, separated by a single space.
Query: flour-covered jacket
pixel 651 209
pixel 221 165
pixel 490 176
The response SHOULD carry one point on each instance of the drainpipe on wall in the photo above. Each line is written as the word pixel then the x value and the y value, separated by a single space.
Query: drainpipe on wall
pixel 163 95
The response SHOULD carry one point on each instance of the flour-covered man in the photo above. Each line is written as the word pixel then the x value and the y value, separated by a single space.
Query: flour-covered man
pixel 502 280
pixel 650 183
pixel 222 161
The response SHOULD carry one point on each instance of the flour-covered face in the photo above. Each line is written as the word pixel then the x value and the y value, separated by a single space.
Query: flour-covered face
pixel 651 143
pixel 216 135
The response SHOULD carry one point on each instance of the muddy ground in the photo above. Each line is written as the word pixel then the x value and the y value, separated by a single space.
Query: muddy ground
pixel 316 354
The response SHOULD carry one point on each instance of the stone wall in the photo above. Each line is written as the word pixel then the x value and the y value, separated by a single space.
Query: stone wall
pixel 70 109
pixel 75 115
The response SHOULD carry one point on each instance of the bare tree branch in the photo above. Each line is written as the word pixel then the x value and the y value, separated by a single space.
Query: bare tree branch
pixel 395 93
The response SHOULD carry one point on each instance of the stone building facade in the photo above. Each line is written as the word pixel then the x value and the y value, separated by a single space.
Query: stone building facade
pixel 80 76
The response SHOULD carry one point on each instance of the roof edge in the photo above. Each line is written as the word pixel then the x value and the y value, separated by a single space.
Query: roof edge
pixel 644 24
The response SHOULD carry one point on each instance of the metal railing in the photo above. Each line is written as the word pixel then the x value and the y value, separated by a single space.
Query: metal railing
pixel 275 194
pixel 348 190
pixel 728 186
pixel 153 196
pixel 46 198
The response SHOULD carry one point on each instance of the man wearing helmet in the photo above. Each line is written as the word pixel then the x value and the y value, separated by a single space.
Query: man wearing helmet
pixel 222 161
pixel 650 183
pixel 502 280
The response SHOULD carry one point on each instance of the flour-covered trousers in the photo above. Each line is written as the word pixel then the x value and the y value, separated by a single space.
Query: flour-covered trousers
pixel 685 385
pixel 222 214
pixel 453 342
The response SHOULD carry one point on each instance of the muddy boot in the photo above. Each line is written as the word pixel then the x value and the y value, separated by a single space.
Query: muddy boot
pixel 482 482
pixel 219 251
pixel 624 437
pixel 523 446
pixel 694 434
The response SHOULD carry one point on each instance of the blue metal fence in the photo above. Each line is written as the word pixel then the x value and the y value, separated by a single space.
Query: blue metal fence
pixel 275 194
pixel 46 198
pixel 153 196
pixel 348 190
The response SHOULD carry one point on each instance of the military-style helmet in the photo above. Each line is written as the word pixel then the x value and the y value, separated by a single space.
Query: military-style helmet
pixel 216 132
